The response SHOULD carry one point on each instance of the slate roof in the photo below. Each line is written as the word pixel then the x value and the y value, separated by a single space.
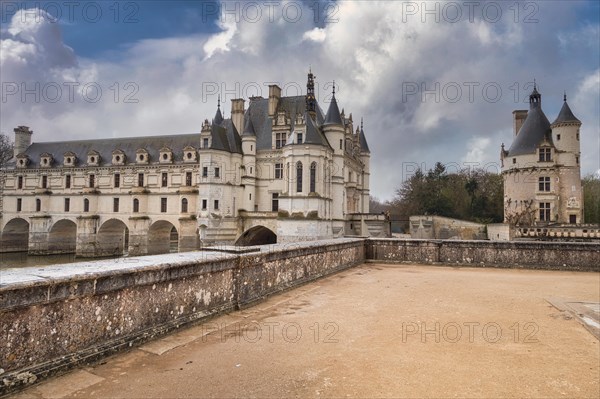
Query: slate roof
pixel 333 116
pixel 534 131
pixel 258 112
pixel 105 148
pixel 565 114
pixel 364 147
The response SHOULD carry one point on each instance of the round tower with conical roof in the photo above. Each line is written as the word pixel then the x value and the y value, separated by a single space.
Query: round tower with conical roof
pixel 542 183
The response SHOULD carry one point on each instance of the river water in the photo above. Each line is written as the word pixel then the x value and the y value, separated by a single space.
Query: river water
pixel 21 259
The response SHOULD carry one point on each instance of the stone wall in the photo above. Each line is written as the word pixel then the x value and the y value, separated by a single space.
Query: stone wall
pixel 513 254
pixel 440 227
pixel 61 316
pixel 58 317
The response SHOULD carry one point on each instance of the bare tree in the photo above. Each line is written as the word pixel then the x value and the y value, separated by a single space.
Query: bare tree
pixel 6 150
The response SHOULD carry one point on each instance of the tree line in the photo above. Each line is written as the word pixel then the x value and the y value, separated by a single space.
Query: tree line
pixel 471 194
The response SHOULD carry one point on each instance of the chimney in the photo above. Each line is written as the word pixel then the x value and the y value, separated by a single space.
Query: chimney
pixel 22 139
pixel 274 96
pixel 237 114
pixel 519 117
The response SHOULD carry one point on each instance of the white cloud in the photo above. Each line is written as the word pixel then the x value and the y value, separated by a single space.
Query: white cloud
pixel 371 52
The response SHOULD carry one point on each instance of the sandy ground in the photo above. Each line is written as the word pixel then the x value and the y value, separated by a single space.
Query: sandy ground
pixel 372 331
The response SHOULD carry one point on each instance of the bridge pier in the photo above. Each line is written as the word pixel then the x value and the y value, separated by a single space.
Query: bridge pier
pixel 39 232
pixel 188 236
pixel 87 228
pixel 138 235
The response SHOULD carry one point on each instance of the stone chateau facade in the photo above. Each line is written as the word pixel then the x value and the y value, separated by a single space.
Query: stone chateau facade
pixel 279 170
pixel 541 169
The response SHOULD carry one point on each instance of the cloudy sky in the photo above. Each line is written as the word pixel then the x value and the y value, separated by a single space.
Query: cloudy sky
pixel 434 81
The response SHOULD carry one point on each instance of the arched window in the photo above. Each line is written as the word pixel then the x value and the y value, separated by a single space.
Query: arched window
pixel 313 177
pixel 136 205
pixel 299 177
pixel 86 205
pixel 38 205
pixel 184 205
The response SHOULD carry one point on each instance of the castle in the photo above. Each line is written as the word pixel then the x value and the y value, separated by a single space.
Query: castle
pixel 279 171
pixel 541 169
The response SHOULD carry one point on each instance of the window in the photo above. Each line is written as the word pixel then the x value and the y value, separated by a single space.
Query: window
pixel 205 171
pixel 250 169
pixel 280 139
pixel 204 204
pixel 117 180
pixel 545 155
pixel 67 181
pixel 38 205
pixel 140 180
pixel 136 205
pixel 577 136
pixel 544 184
pixel 577 160
pixel 313 177
pixel 216 207
pixel 299 138
pixel 164 180
pixel 514 160
pixel 544 211
pixel 275 202
pixel 44 181
pixel 279 171
pixel 67 204
pixel 115 205
pixel 188 179
pixel 19 204
pixel 20 182
pixel 217 172
pixel 86 205
pixel 184 205
pixel 573 219
pixel 163 205
pixel 92 181
pixel 299 177
pixel 204 143
pixel 558 137
pixel 341 144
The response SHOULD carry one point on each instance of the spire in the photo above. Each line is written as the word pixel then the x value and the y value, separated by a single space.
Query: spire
pixel 218 116
pixel 364 147
pixel 311 101
pixel 565 114
pixel 535 98
pixel 249 128
pixel 333 116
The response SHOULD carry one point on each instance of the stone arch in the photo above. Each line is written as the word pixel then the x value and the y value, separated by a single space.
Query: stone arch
pixel 163 238
pixel 15 236
pixel 257 235
pixel 62 237
pixel 112 238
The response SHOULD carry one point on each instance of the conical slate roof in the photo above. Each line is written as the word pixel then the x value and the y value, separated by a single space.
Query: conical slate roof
pixel 534 131
pixel 249 127
pixel 333 116
pixel 364 147
pixel 565 114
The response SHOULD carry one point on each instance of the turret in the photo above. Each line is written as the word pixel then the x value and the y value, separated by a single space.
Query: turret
pixel 249 162
pixel 333 126
pixel 565 134
pixel 365 156
pixel 22 139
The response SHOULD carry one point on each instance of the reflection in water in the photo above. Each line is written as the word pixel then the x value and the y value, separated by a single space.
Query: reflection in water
pixel 21 259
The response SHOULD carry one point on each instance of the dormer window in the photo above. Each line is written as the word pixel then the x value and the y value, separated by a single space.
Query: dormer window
pixel 299 138
pixel 118 157
pixel 545 154
pixel 93 158
pixel 166 155
pixel 45 160
pixel 189 154
pixel 69 158
pixel 141 156
pixel 205 142
pixel 22 160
